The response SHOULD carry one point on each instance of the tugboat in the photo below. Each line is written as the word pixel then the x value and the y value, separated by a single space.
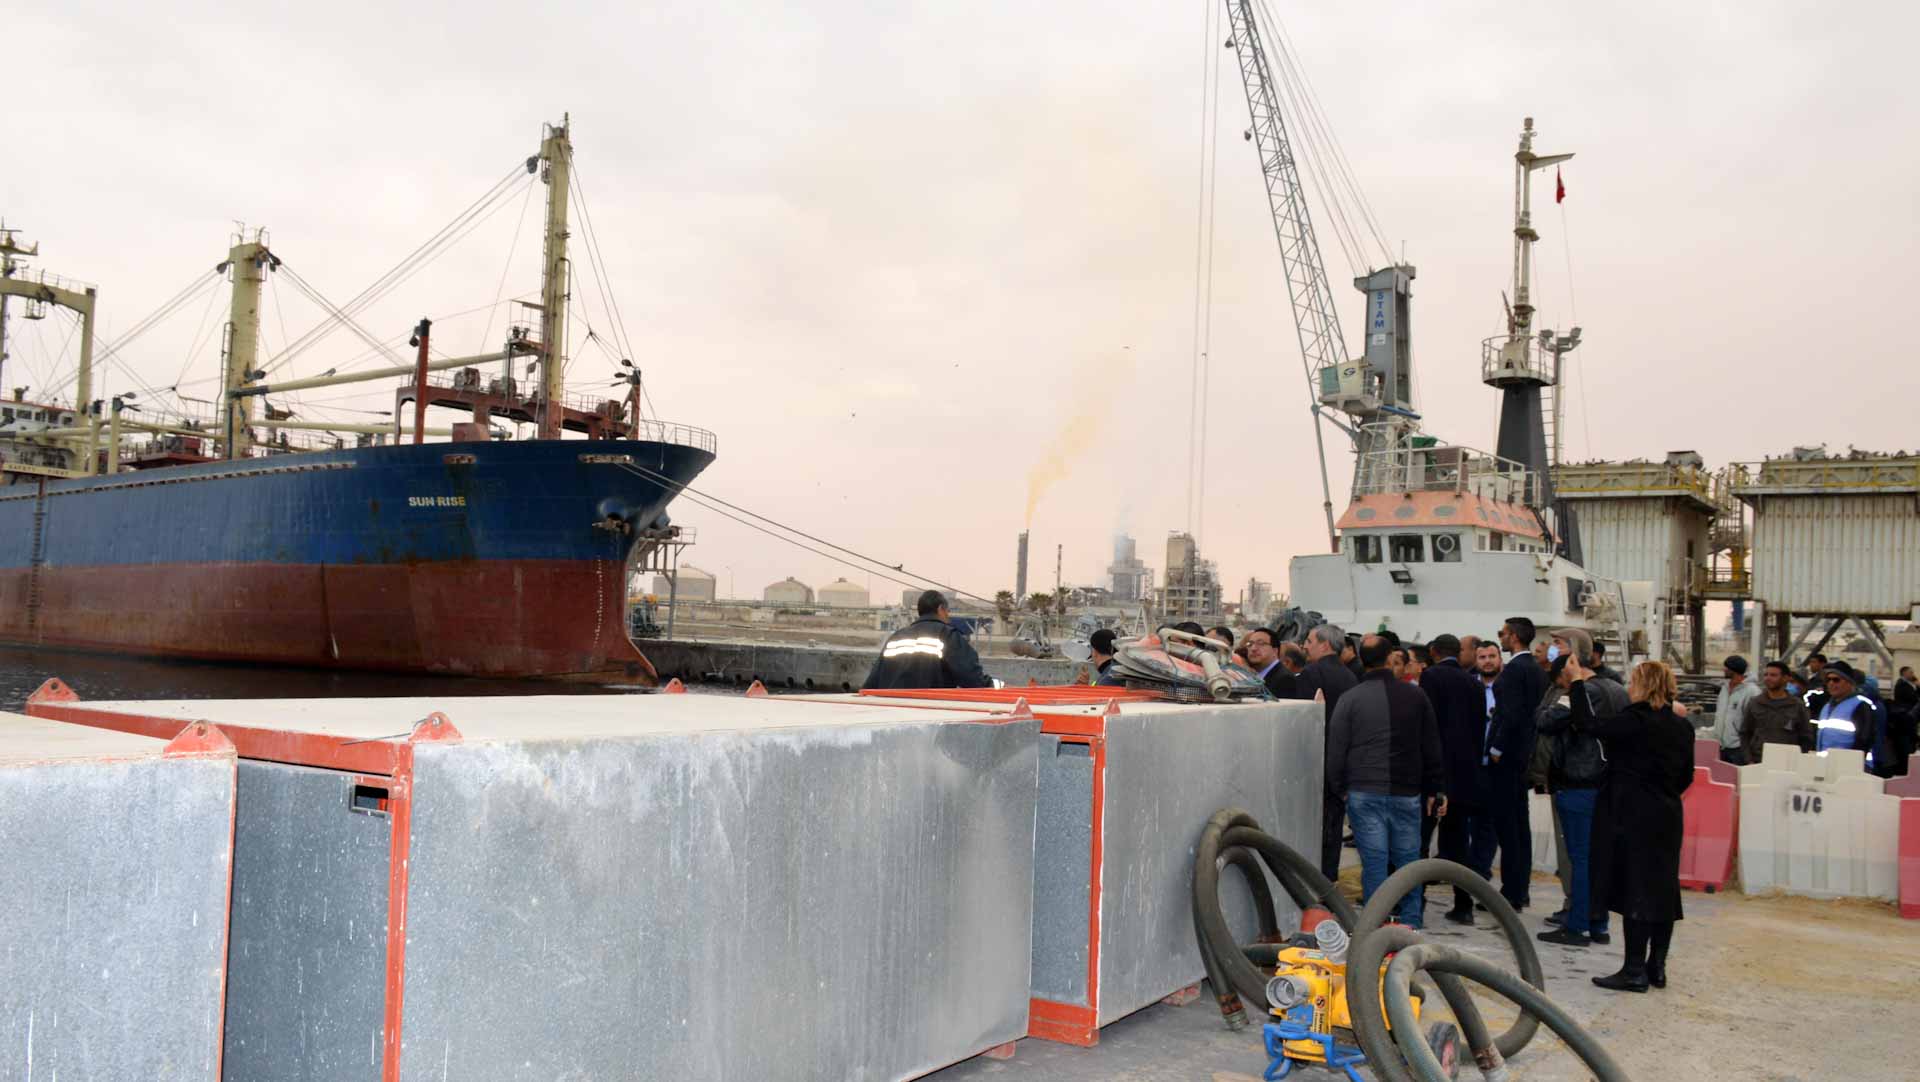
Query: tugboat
pixel 1440 538
pixel 222 538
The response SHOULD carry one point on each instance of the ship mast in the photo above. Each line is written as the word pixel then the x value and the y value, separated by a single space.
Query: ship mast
pixel 39 294
pixel 1525 366
pixel 248 261
pixel 10 265
pixel 556 153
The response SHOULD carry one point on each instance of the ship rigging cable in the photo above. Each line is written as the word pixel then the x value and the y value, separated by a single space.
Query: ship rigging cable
pixel 110 351
pixel 701 498
pixel 448 235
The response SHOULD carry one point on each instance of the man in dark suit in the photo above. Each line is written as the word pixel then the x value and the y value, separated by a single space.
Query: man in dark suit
pixel 1459 705
pixel 1516 696
pixel 1326 677
pixel 1263 657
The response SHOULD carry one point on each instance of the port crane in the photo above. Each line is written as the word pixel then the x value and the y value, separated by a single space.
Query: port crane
pixel 1373 390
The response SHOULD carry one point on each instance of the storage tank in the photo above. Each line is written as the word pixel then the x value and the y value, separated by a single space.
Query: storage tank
pixel 788 591
pixel 695 585
pixel 842 594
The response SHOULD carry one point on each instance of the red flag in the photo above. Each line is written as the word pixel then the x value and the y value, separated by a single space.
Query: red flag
pixel 1559 186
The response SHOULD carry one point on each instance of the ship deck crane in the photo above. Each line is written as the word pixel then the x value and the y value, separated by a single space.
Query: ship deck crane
pixel 1375 389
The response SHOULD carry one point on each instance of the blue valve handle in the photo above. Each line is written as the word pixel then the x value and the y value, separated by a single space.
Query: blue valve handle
pixel 1338 1056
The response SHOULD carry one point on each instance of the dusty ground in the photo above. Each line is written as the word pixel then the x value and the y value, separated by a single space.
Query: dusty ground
pixel 1773 989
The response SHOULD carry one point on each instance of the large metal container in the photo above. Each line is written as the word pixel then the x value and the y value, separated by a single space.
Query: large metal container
pixel 115 856
pixel 1852 554
pixel 1125 789
pixel 1657 539
pixel 670 886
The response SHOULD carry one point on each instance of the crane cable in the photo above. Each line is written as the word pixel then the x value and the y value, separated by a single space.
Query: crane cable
pixel 683 490
pixel 1209 141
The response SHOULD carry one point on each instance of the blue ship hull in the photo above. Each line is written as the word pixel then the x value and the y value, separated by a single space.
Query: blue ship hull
pixel 487 558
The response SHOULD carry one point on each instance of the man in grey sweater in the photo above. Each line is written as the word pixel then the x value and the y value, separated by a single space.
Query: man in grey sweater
pixel 1384 761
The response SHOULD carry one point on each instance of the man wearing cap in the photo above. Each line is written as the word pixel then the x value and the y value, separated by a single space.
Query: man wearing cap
pixel 1728 712
pixel 1849 719
pixel 928 653
pixel 1263 657
pixel 1102 645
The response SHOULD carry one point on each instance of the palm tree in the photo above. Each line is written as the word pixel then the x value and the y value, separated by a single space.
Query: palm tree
pixel 1004 603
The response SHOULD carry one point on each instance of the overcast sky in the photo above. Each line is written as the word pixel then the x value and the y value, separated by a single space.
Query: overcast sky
pixel 902 260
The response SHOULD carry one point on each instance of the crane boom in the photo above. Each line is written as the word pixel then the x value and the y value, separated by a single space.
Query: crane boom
pixel 1314 318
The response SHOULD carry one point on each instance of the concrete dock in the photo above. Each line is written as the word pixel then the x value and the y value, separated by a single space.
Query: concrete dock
pixel 1779 988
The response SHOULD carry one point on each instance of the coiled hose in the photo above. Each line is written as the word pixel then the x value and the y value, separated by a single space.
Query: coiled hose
pixel 1396 1052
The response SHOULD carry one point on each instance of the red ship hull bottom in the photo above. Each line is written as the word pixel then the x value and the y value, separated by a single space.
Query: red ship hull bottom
pixel 555 619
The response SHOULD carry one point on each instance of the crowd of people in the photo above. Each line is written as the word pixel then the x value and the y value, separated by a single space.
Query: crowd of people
pixel 1448 739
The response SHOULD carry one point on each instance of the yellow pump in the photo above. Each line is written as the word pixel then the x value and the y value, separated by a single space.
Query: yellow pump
pixel 1308 999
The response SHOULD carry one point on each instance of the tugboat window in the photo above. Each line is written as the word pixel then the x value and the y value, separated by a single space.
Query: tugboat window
pixel 1366 548
pixel 1446 548
pixel 1407 548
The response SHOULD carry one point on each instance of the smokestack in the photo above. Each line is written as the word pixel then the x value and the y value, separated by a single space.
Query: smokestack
pixel 1020 572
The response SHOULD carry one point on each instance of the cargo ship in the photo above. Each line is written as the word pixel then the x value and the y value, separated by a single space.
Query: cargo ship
pixel 221 538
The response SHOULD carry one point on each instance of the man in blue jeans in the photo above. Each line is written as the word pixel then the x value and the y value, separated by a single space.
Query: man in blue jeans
pixel 1574 778
pixel 1384 761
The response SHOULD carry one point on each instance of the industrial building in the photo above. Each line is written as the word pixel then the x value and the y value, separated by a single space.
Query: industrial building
pixel 1129 579
pixel 1256 602
pixel 1835 538
pixel 695 585
pixel 788 591
pixel 1192 590
pixel 1655 522
pixel 841 594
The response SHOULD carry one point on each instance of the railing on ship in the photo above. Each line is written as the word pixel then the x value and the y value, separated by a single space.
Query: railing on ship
pixel 1421 466
pixel 610 408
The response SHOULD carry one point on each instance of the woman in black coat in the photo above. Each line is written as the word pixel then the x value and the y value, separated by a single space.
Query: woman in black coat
pixel 1638 821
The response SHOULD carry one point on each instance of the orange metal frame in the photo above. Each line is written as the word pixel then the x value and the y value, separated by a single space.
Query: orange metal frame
pixel 385 761
pixel 390 760
pixel 1067 1023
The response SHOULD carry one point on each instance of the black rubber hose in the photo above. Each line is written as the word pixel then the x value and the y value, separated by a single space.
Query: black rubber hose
pixel 1263 910
pixel 1437 959
pixel 1387 939
pixel 1298 876
pixel 1369 951
pixel 1228 969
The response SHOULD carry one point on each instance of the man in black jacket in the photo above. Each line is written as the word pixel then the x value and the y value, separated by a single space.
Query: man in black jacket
pixel 1574 776
pixel 1326 677
pixel 1384 762
pixel 1460 712
pixel 928 653
pixel 1516 695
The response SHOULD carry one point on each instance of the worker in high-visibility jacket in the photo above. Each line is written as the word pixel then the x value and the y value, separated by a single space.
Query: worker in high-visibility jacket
pixel 1851 719
pixel 928 653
